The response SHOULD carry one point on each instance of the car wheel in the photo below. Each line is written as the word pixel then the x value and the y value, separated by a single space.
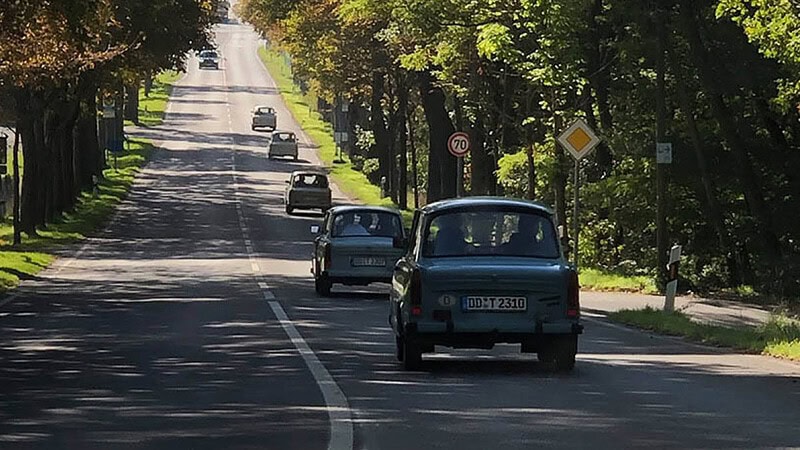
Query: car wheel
pixel 561 353
pixel 412 355
pixel 289 209
pixel 398 342
pixel 322 286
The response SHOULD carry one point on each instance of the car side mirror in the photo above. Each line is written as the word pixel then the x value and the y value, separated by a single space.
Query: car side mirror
pixel 315 229
pixel 399 242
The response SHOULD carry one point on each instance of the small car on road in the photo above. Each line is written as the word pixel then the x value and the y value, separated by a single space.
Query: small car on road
pixel 209 59
pixel 483 271
pixel 307 190
pixel 264 117
pixel 283 143
pixel 356 246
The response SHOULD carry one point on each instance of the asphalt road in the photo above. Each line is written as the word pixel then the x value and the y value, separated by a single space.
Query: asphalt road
pixel 191 322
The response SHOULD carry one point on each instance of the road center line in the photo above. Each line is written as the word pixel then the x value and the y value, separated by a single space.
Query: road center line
pixel 338 407
pixel 339 414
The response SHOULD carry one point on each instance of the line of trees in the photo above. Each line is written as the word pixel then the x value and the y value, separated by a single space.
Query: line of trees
pixel 59 60
pixel 720 79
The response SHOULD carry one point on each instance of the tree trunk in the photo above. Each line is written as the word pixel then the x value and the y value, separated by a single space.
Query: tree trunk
pixel 402 144
pixel 560 175
pixel 15 167
pixel 662 170
pixel 482 181
pixel 132 103
pixel 414 162
pixel 87 145
pixel 442 166
pixel 599 80
pixel 379 129
pixel 753 193
pixel 148 83
pixel 529 150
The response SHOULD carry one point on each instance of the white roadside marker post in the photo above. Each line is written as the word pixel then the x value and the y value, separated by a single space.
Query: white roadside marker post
pixel 672 281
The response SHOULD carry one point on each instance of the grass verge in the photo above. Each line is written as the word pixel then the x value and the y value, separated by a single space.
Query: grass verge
pixel 92 209
pixel 351 181
pixel 599 280
pixel 779 337
pixel 151 108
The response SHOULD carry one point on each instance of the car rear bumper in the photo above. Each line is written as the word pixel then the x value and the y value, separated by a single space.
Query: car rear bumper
pixel 356 280
pixel 440 333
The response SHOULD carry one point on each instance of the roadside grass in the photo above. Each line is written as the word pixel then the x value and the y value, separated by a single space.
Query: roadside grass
pixel 151 109
pixel 351 181
pixel 92 210
pixel 600 280
pixel 779 337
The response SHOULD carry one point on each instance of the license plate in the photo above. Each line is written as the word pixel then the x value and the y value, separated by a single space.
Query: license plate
pixel 369 262
pixel 491 303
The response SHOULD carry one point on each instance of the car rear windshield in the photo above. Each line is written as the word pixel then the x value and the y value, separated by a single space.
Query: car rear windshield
pixel 311 181
pixel 264 110
pixel 367 224
pixel 283 137
pixel 491 233
pixel 208 54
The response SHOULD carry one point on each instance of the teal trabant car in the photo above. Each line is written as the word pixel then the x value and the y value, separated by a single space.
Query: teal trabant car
pixel 481 271
pixel 356 246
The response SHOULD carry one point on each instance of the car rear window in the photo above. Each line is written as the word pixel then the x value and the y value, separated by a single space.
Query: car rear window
pixel 283 137
pixel 208 54
pixel 264 111
pixel 311 181
pixel 491 233
pixel 367 224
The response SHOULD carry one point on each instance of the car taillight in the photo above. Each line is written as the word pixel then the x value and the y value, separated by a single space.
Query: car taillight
pixel 573 296
pixel 415 293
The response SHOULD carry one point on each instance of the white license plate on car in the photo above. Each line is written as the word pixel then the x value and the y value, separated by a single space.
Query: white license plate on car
pixel 492 303
pixel 369 262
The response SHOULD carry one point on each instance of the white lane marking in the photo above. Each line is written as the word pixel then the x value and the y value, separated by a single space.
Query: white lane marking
pixel 338 407
pixel 339 414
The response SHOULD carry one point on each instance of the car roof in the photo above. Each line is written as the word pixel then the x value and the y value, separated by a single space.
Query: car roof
pixel 363 208
pixel 469 202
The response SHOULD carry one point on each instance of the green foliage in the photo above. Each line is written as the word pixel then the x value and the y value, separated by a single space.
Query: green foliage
pixel 600 280
pixel 92 211
pixel 779 337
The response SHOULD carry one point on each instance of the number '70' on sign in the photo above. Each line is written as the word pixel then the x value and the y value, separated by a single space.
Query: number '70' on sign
pixel 458 144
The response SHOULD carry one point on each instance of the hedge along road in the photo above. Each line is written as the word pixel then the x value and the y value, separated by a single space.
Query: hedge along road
pixel 192 323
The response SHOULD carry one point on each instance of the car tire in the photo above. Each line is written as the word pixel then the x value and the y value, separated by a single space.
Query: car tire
pixel 412 355
pixel 289 210
pixel 322 286
pixel 398 342
pixel 561 353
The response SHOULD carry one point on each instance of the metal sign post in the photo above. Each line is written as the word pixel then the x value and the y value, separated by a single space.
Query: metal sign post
pixel 458 144
pixel 672 282
pixel 579 140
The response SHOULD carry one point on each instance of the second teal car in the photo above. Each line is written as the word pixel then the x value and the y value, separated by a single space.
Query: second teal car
pixel 356 246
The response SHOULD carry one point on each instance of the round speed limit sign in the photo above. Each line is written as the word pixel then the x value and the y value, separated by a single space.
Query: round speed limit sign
pixel 458 144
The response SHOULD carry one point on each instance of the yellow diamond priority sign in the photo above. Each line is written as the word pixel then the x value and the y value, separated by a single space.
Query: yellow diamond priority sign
pixel 579 139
